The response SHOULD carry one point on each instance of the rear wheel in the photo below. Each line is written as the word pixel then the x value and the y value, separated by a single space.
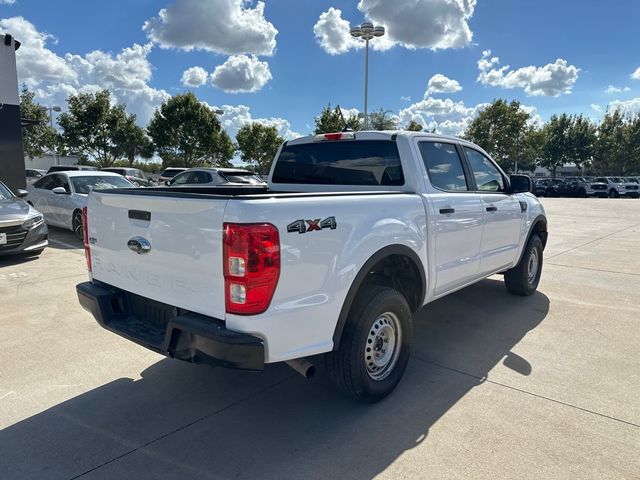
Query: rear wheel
pixel 374 349
pixel 523 279
pixel 76 224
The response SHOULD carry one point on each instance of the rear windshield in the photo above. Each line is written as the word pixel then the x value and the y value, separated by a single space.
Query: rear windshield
pixel 362 162
pixel 171 172
pixel 84 185
pixel 247 178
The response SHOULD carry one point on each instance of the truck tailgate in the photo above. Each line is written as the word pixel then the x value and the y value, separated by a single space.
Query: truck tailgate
pixel 184 264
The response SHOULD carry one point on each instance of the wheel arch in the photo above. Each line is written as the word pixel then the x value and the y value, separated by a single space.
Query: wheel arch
pixel 539 227
pixel 373 267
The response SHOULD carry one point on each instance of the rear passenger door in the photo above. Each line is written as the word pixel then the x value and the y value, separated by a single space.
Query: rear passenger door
pixel 502 213
pixel 456 217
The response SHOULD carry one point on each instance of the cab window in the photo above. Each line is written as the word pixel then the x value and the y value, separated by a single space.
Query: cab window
pixel 444 166
pixel 488 177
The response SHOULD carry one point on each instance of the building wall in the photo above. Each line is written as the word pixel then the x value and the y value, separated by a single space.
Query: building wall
pixel 48 160
pixel 11 154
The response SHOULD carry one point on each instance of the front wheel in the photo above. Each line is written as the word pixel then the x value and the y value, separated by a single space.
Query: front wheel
pixel 76 224
pixel 523 279
pixel 375 345
pixel 613 193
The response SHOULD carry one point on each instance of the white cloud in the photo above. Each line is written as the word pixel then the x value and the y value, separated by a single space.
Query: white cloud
pixel 349 112
pixel 235 116
pixel 406 98
pixel 227 27
pixel 434 24
pixel 597 108
pixel 441 84
pixel 332 33
pixel 636 75
pixel 54 78
pixel 194 77
pixel 35 62
pixel 444 115
pixel 626 107
pixel 552 80
pixel 7 2
pixel 241 73
pixel 611 89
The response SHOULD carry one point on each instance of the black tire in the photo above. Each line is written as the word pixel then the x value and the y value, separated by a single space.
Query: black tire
pixel 583 193
pixel 518 280
pixel 351 368
pixel 76 224
pixel 613 193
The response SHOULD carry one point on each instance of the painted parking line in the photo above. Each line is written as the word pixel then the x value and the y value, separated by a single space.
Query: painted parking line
pixel 64 244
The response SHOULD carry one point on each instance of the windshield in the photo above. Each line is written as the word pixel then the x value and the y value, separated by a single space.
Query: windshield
pixel 363 162
pixel 84 185
pixel 5 193
pixel 617 180
pixel 241 177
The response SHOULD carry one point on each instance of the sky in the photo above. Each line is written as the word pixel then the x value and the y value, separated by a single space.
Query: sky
pixel 280 62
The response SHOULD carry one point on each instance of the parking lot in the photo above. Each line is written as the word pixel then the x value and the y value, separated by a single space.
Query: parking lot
pixel 498 386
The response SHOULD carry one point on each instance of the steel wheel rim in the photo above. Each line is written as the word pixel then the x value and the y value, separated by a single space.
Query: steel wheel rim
pixel 382 347
pixel 532 269
pixel 77 228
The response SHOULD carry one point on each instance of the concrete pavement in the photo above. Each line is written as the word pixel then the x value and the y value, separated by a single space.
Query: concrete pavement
pixel 498 386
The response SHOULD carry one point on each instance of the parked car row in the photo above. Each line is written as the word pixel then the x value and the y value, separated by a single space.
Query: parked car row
pixel 612 187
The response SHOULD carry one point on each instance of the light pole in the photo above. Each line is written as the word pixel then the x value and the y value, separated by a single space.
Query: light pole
pixel 367 32
pixel 51 109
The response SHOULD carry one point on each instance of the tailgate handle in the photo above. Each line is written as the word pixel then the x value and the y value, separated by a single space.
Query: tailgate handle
pixel 140 215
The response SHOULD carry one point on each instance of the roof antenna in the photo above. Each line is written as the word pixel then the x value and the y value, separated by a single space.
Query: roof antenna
pixel 345 127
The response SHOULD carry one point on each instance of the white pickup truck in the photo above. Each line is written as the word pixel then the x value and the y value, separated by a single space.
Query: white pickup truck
pixel 354 232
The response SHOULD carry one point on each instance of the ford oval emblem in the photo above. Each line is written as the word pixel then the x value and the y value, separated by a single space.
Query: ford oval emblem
pixel 139 245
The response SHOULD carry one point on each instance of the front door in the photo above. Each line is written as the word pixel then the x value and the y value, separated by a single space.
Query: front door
pixel 502 214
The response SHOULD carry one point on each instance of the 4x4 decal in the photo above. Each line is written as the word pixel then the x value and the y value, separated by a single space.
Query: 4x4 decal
pixel 303 226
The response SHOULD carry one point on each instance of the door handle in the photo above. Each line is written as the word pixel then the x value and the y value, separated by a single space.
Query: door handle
pixel 446 211
pixel 492 209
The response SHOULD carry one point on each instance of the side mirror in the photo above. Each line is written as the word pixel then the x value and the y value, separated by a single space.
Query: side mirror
pixel 20 193
pixel 519 184
pixel 168 183
pixel 59 191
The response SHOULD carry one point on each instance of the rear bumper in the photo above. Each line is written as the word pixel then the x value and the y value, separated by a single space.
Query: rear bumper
pixel 170 331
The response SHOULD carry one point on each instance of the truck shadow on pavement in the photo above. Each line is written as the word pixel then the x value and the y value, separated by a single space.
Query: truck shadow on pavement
pixel 183 421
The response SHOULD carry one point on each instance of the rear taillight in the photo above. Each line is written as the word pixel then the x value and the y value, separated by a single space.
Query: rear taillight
pixel 85 237
pixel 251 266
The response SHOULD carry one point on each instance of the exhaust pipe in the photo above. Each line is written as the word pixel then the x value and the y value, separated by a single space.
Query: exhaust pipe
pixel 302 366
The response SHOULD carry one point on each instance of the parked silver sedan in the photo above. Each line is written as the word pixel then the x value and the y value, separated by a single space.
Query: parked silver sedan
pixel 205 177
pixel 22 228
pixel 60 196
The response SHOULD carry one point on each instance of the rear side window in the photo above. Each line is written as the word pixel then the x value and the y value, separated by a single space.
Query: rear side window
pixel 444 166
pixel 46 183
pixel 361 162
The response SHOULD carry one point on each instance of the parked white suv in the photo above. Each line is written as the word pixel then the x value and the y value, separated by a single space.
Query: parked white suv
pixel 620 187
pixel 355 232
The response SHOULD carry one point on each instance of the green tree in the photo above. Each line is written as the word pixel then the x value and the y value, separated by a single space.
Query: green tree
pixel 557 146
pixel 131 141
pixel 582 141
pixel 258 145
pixel 39 138
pixel 382 120
pixel 90 127
pixel 500 129
pixel 330 121
pixel 632 141
pixel 187 133
pixel 414 126
pixel 611 149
